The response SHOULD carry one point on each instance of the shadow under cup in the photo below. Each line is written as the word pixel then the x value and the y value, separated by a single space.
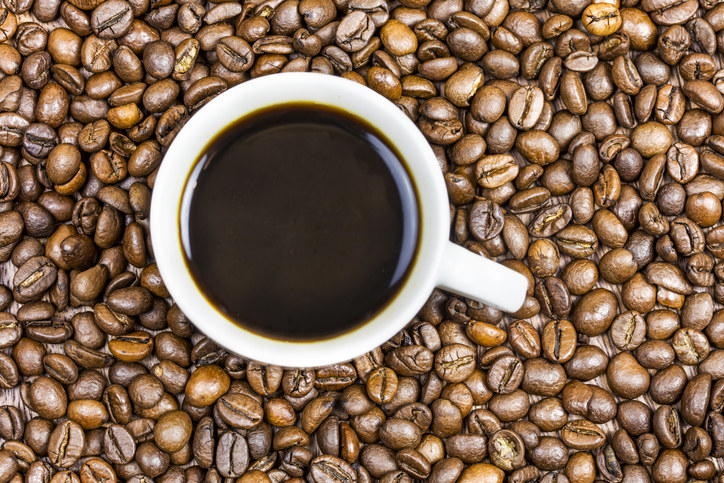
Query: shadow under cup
pixel 300 222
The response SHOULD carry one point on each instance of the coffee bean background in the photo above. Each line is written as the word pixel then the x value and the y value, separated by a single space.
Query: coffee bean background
pixel 576 377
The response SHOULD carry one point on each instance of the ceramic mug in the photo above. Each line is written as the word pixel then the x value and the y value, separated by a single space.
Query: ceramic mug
pixel 438 262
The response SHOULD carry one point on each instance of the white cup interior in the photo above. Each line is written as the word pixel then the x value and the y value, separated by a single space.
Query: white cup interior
pixel 264 92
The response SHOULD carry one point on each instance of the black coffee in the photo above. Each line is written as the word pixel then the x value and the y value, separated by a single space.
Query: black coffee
pixel 299 222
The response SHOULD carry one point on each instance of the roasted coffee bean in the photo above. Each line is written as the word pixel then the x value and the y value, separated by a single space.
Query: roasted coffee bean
pixel 582 434
pixel 172 431
pixel 33 278
pixel 588 362
pixel 594 312
pixel 609 464
pixel 655 354
pixel 118 444
pixel 690 346
pixel 232 454
pixel 239 411
pixel 617 266
pixel 382 385
pixel 12 423
pixel 494 171
pixel 634 417
pixel 543 258
pixel 609 229
pixel 525 107
pixel 524 339
pixel 484 334
pixel 559 341
pixel 506 450
pixel 329 378
pixel 542 377
pixel 505 375
pixel 331 468
pixel 626 377
pixel 550 220
pixel 66 444
pixel 628 330
pixel 667 426
pixel 206 385
pixel 550 454
pixel 529 200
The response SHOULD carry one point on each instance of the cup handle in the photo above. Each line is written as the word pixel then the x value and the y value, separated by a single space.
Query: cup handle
pixel 476 277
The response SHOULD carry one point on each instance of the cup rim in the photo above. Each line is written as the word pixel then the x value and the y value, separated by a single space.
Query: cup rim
pixel 184 153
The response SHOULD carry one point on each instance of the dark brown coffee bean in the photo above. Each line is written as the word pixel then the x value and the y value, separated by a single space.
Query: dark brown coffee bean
pixel 553 297
pixel 96 469
pixel 594 312
pixel 66 444
pixel 588 362
pixel 550 220
pixel 494 171
pixel 635 417
pixel 582 434
pixel 151 461
pixel 609 464
pixel 667 426
pixel 550 454
pixel 607 189
pixel 33 278
pixel 559 340
pixel 332 469
pixel 112 20
pixel 690 346
pixel 617 266
pixel 12 423
pixel 172 431
pixel 695 399
pixel 529 200
pixel 410 360
pixel 382 385
pixel 240 411
pixel 329 378
pixel 628 330
pixel 626 377
pixel 525 107
pixel 542 377
pixel 454 363
pixel 655 354
pixel 118 444
pixel 232 454
pixel 524 339
pixel 505 375
pixel 506 450
pixel 543 257
pixel 85 356
pixel 704 94
pixel 206 385
pixel 10 330
pixel 609 229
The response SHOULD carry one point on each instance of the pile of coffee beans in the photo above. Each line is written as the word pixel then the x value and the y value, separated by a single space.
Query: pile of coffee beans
pixel 582 144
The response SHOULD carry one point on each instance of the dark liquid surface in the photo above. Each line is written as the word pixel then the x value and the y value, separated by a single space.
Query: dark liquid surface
pixel 299 223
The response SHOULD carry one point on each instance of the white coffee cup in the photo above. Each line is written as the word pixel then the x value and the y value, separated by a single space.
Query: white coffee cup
pixel 438 261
